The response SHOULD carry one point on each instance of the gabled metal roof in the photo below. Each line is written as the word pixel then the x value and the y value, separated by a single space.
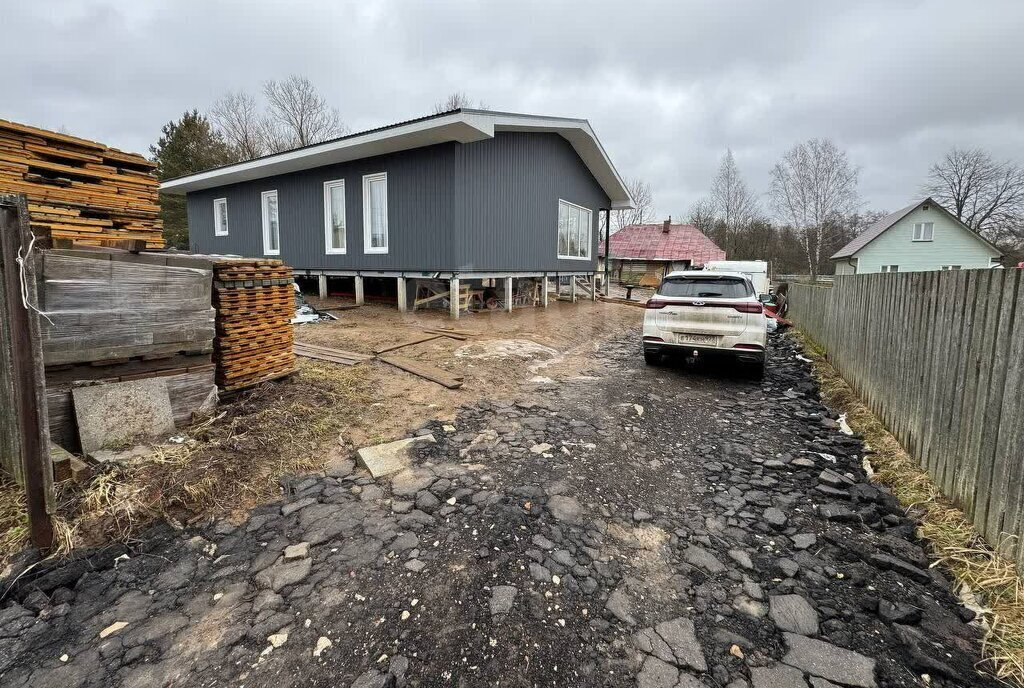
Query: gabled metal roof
pixel 878 228
pixel 652 242
pixel 462 125
pixel 874 231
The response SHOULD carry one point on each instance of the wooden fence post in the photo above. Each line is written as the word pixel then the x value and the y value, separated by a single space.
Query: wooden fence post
pixel 27 428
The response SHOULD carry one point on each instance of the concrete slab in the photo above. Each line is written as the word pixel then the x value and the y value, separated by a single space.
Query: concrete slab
pixel 117 414
pixel 385 459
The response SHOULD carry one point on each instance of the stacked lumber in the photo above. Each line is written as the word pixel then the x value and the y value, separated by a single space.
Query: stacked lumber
pixel 79 189
pixel 107 307
pixel 114 316
pixel 255 303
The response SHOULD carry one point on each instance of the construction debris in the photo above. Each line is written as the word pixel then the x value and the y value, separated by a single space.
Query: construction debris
pixel 79 189
pixel 392 457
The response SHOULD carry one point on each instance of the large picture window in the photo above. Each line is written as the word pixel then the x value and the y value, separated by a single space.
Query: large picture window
pixel 220 217
pixel 575 228
pixel 334 216
pixel 375 213
pixel 271 226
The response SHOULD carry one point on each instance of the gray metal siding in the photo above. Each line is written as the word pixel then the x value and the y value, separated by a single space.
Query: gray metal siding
pixel 506 202
pixel 490 205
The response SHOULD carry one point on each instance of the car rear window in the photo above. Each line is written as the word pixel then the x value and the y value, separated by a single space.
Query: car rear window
pixel 710 287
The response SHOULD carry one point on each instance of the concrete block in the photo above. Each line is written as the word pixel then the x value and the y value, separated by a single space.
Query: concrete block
pixel 112 416
pixel 385 459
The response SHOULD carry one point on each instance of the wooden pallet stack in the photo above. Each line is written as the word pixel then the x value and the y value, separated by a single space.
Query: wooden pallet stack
pixel 79 189
pixel 255 303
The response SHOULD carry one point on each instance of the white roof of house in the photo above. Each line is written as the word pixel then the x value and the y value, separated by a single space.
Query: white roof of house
pixel 463 126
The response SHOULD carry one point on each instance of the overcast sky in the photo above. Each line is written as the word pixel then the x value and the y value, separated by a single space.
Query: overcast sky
pixel 667 86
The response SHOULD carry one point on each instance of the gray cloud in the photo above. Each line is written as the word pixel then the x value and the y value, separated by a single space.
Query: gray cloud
pixel 667 85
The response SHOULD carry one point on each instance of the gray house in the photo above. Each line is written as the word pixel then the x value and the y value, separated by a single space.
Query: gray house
pixel 469 199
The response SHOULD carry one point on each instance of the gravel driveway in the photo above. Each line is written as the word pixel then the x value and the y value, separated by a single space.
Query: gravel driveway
pixel 650 527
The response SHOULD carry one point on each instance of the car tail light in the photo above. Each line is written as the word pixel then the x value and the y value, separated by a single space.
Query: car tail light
pixel 749 307
pixel 653 339
pixel 654 302
pixel 752 347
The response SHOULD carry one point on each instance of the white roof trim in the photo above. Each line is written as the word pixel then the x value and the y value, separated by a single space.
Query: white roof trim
pixel 463 126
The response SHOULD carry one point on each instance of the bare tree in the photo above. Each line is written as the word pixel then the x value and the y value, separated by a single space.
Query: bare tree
pixel 455 101
pixel 985 195
pixel 702 215
pixel 814 188
pixel 298 114
pixel 237 117
pixel 732 201
pixel 643 202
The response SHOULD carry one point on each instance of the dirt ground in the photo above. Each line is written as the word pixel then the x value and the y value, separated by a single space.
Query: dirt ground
pixel 506 354
pixel 234 461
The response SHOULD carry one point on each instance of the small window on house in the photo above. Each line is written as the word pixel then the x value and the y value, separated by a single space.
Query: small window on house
pixel 220 217
pixel 375 213
pixel 890 268
pixel 334 216
pixel 924 231
pixel 575 231
pixel 951 267
pixel 271 226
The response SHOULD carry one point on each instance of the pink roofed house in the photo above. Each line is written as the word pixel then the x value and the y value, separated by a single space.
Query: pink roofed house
pixel 654 250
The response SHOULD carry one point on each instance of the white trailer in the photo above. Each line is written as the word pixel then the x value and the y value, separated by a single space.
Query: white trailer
pixel 755 270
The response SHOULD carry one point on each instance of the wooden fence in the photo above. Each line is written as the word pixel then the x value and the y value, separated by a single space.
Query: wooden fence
pixel 24 432
pixel 939 358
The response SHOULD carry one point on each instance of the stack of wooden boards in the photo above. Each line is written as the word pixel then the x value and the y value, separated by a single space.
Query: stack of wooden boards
pixel 79 189
pixel 255 303
pixel 115 316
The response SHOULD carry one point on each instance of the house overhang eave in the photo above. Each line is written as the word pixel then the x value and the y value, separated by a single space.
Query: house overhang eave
pixel 461 126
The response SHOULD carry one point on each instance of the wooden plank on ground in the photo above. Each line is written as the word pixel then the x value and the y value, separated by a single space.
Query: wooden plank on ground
pixel 425 371
pixel 418 340
pixel 449 334
pixel 354 355
pixel 332 355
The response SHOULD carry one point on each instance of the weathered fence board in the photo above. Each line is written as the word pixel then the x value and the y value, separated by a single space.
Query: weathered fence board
pixel 939 358
pixel 25 430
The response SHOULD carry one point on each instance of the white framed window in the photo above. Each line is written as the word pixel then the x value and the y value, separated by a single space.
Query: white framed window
pixel 575 231
pixel 924 231
pixel 271 224
pixel 334 216
pixel 890 268
pixel 951 267
pixel 220 217
pixel 375 213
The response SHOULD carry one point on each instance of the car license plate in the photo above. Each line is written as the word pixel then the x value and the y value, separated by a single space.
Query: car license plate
pixel 684 338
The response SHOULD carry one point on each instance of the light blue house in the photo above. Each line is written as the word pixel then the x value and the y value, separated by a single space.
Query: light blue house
pixel 922 236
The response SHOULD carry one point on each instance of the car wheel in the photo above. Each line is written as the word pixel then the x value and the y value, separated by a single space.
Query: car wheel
pixel 652 358
pixel 756 371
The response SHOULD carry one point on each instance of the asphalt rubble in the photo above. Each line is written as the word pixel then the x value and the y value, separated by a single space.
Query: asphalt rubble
pixel 648 527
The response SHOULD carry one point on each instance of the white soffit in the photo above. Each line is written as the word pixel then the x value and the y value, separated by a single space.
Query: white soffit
pixel 462 126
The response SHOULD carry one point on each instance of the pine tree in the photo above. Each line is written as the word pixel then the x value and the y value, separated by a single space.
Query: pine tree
pixel 186 146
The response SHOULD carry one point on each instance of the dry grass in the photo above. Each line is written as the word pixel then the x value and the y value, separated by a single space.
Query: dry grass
pixel 953 541
pixel 228 463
